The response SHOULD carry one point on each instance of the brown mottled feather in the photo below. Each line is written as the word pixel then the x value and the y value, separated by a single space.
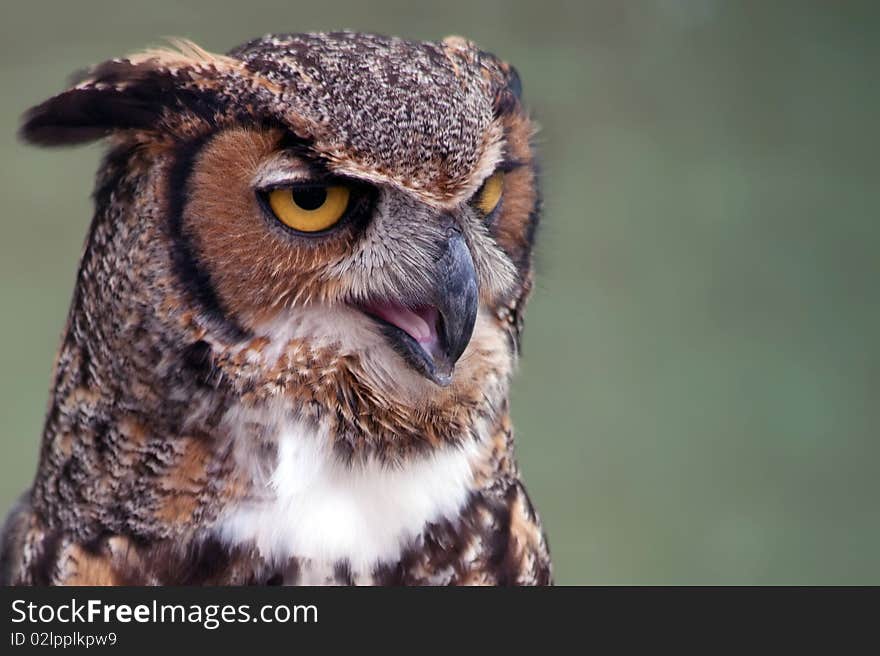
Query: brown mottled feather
pixel 183 285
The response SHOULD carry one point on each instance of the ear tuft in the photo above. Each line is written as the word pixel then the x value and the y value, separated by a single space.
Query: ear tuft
pixel 82 115
pixel 124 94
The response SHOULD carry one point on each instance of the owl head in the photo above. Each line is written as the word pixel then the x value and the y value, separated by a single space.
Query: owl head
pixel 343 219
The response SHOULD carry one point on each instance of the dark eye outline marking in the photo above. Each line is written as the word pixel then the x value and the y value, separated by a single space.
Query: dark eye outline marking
pixel 505 167
pixel 360 204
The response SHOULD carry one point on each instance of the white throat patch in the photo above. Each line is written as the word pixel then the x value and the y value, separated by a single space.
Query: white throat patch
pixel 318 508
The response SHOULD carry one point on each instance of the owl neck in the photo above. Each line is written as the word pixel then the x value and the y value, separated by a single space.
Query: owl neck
pixel 175 444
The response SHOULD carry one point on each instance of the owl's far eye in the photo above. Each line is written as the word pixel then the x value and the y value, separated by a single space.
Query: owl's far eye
pixel 309 208
pixel 489 195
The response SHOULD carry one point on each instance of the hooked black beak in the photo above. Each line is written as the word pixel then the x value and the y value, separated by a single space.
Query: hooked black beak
pixel 432 335
pixel 457 298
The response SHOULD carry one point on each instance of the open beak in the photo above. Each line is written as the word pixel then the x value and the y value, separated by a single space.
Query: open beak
pixel 432 336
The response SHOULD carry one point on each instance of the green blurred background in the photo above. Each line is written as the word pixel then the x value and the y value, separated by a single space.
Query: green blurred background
pixel 697 401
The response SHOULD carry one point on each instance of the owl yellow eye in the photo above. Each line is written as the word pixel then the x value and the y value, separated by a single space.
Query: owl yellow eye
pixel 490 193
pixel 309 209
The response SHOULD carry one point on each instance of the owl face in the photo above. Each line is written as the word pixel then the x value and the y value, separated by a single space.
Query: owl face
pixel 371 197
pixel 282 236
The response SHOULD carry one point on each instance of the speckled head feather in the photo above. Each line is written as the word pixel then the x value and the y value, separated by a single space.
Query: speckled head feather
pixel 422 115
pixel 240 400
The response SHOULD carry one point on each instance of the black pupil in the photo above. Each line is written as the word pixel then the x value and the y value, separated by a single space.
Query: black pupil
pixel 310 198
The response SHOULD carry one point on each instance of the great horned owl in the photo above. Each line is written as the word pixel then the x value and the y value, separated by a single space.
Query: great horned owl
pixel 295 321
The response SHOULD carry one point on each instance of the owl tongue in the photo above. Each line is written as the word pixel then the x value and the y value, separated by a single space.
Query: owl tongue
pixel 420 324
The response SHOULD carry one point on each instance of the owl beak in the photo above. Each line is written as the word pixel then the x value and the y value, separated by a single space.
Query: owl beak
pixel 457 301
pixel 432 336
